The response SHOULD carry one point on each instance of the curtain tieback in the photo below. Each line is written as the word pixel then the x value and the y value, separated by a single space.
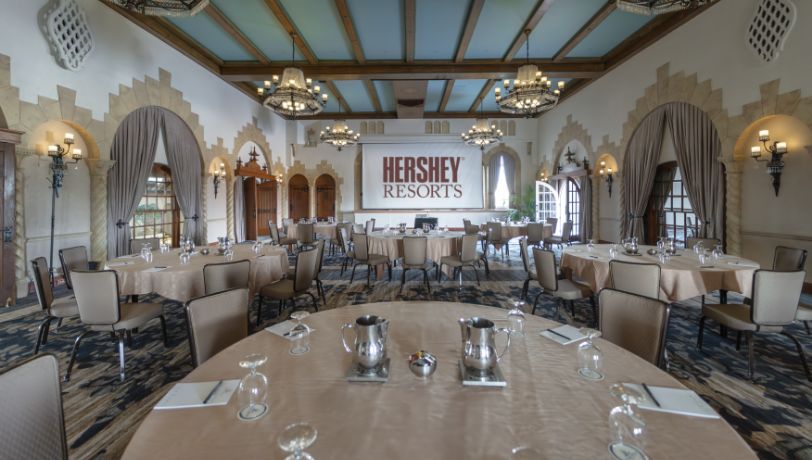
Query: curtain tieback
pixel 194 218
pixel 120 223
pixel 632 216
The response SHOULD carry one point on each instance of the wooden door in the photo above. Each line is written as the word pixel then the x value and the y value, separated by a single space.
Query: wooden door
pixel 266 207
pixel 7 167
pixel 250 194
pixel 325 197
pixel 298 197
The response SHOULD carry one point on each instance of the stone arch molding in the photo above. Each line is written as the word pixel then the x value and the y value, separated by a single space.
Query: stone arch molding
pixel 572 131
pixel 311 174
pixel 251 132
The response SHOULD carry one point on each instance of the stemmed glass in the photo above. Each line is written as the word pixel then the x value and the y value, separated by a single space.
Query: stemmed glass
pixel 295 438
pixel 253 389
pixel 590 245
pixel 300 333
pixel 613 251
pixel 516 318
pixel 627 425
pixel 164 247
pixel 590 357
pixel 257 247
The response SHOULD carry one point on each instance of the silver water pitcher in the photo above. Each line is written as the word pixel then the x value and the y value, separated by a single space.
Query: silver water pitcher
pixel 479 344
pixel 369 348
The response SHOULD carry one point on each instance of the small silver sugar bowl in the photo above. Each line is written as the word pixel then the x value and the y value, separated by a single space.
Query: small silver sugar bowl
pixel 422 363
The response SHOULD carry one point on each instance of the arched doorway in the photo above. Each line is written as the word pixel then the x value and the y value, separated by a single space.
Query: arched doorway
pixel 298 197
pixel 8 139
pixel 325 197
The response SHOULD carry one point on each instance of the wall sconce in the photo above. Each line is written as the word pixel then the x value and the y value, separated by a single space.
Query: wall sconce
pixel 606 173
pixel 775 163
pixel 217 176
pixel 58 153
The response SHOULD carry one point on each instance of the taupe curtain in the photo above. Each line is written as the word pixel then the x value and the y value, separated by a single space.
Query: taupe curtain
pixel 133 150
pixel 586 208
pixel 493 178
pixel 698 148
pixel 184 161
pixel 239 209
pixel 639 168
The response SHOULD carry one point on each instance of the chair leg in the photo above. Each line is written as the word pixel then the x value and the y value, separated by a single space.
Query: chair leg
pixel 426 279
pixel 402 279
pixel 352 275
pixel 129 335
pixel 369 272
pixel 525 288
pixel 476 274
pixel 801 353
pixel 751 355
pixel 594 309
pixel 42 333
pixel 163 331
pixel 738 340
pixel 73 353
pixel 439 273
pixel 701 332
pixel 315 301
pixel 259 310
pixel 121 362
pixel 535 303
pixel 389 266
pixel 806 325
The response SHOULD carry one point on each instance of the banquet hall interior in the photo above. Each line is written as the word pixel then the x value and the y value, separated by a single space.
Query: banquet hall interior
pixel 458 229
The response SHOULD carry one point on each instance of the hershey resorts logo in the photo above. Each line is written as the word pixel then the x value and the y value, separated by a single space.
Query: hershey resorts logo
pixel 421 177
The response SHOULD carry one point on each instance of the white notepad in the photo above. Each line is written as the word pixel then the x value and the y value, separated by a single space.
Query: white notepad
pixel 154 269
pixel 184 395
pixel 568 334
pixel 674 401
pixel 283 329
pixel 743 264
pixel 118 264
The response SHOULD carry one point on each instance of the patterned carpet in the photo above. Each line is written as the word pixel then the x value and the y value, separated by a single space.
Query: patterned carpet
pixel 774 414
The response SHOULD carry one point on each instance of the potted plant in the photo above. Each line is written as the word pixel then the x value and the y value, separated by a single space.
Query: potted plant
pixel 523 205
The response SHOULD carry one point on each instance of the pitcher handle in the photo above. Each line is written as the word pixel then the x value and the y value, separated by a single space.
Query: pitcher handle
pixel 507 345
pixel 343 338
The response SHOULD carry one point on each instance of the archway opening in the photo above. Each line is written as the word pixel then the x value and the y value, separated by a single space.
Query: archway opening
pixel 325 197
pixel 298 197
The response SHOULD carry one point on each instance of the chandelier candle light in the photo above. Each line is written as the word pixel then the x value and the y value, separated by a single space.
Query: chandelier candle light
pixel 775 164
pixel 58 166
pixel 339 135
pixel 482 133
pixel 532 93
pixel 293 95
pixel 176 8
pixel 654 7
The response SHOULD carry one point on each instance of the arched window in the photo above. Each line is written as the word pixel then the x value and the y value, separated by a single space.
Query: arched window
pixel 157 214
pixel 501 180
pixel 574 205
pixel 501 194
pixel 669 210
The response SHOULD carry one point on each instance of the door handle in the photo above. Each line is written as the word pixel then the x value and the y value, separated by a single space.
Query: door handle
pixel 7 232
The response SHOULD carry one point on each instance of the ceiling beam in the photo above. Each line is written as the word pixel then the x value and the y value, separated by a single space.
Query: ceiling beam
pixel 532 21
pixel 373 95
pixel 418 71
pixel 486 88
pixel 449 85
pixel 389 115
pixel 229 28
pixel 349 29
pixel 339 98
pixel 281 16
pixel 409 12
pixel 468 31
pixel 587 28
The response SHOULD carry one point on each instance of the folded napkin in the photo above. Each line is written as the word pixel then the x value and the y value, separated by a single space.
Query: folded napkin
pixel 674 401
pixel 563 335
pixel 155 269
pixel 199 394
pixel 739 263
pixel 119 264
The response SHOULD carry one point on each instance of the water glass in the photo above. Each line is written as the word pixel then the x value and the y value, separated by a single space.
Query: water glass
pixel 229 254
pixel 698 248
pixel 257 248
pixel 590 358
pixel 590 245
pixel 253 390
pixel 295 438
pixel 702 258
pixel 299 341
pixel 613 251
pixel 184 257
pixel 516 318
pixel 664 258
pixel 627 425
pixel 164 247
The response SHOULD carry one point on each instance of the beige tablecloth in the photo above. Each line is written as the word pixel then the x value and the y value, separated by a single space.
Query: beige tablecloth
pixel 516 230
pixel 545 404
pixel 185 282
pixel 322 230
pixel 681 278
pixel 438 244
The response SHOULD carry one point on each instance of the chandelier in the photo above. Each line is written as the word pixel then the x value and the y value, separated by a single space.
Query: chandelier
pixel 294 95
pixel 482 133
pixel 339 135
pixel 163 7
pixel 653 7
pixel 531 93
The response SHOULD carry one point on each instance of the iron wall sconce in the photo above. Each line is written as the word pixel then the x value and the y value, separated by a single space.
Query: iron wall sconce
pixel 58 153
pixel 217 177
pixel 606 174
pixel 775 163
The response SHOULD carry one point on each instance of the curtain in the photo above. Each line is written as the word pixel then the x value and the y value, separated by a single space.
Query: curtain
pixel 662 186
pixel 586 208
pixel 239 209
pixel 510 171
pixel 639 168
pixel 493 178
pixel 184 161
pixel 133 150
pixel 698 148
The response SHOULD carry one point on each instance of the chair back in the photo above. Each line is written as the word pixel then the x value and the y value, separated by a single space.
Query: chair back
pixel 306 233
pixel 74 258
pixel 97 296
pixel 637 323
pixel 357 228
pixel 470 229
pixel 468 252
pixel 545 269
pixel 226 275
pixel 274 231
pixel 216 321
pixel 286 223
pixel 359 241
pixel 553 221
pixel 305 269
pixel 370 226
pixel 635 278
pixel 32 424
pixel 708 243
pixel 776 296
pixel 566 231
pixel 345 239
pixel 415 249
pixel 535 232
pixel 319 256
pixel 137 244
pixel 42 282
pixel 788 259
pixel 347 226
pixel 494 232
pixel 523 253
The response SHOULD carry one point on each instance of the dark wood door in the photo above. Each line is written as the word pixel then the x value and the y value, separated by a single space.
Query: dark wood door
pixel 325 197
pixel 250 194
pixel 298 197
pixel 7 168
pixel 266 207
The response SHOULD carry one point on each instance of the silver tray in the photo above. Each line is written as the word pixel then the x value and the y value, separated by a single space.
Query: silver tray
pixel 493 379
pixel 356 374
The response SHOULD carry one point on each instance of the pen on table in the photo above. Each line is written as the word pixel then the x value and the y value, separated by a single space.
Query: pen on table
pixel 211 393
pixel 651 395
pixel 558 334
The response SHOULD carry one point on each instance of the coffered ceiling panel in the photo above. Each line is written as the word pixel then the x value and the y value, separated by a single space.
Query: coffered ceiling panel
pixel 463 95
pixel 609 34
pixel 257 23
pixel 434 93
pixel 438 25
pixel 386 95
pixel 205 31
pixel 355 93
pixel 320 25
pixel 558 25
pixel 380 27
pixel 499 23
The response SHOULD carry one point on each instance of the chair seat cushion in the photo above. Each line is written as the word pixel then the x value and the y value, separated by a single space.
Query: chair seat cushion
pixel 64 307
pixel 804 312
pixel 735 316
pixel 452 261
pixel 133 315
pixel 569 290
pixel 287 241
pixel 351 254
pixel 282 289
pixel 376 259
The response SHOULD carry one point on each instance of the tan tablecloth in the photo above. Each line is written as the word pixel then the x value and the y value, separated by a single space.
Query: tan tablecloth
pixel 185 282
pixel 681 278
pixel 325 231
pixel 545 405
pixel 516 230
pixel 438 244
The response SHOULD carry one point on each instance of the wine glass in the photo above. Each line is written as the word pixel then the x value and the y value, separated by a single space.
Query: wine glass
pixel 164 247
pixel 295 438
pixel 184 257
pixel 590 245
pixel 613 251
pixel 257 247
pixel 229 254
pixel 590 358
pixel 516 318
pixel 627 424
pixel 253 389
pixel 300 333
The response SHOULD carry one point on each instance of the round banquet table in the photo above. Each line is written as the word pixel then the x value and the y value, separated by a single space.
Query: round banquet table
pixel 681 278
pixel 545 404
pixel 439 244
pixel 324 230
pixel 185 282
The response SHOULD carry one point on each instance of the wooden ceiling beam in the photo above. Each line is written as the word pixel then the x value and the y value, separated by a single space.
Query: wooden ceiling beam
pixel 468 31
pixel 228 27
pixel 532 21
pixel 585 30
pixel 481 96
pixel 390 115
pixel 282 16
pixel 449 86
pixel 409 12
pixel 349 29
pixel 373 95
pixel 339 98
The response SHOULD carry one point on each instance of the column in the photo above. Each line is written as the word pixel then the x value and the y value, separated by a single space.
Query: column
pixel 98 207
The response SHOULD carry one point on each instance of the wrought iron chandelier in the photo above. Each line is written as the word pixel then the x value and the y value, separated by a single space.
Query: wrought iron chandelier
pixel 294 95
pixel 531 93
pixel 163 7
pixel 482 133
pixel 654 7
pixel 339 135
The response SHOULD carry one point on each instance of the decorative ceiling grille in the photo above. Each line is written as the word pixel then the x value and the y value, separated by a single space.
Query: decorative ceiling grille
pixel 69 34
pixel 769 28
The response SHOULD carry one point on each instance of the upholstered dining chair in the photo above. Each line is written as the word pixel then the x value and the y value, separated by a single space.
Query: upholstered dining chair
pixel 634 322
pixel 415 257
pixel 496 238
pixel 467 257
pixel 531 274
pixel 786 259
pixel 279 239
pixel 100 309
pixel 137 244
pixel 319 261
pixel 223 276
pixel 54 309
pixel 361 256
pixel 553 222
pixel 307 235
pixel 216 321
pixel 774 305
pixel 804 314
pixel 636 278
pixel 535 233
pixel 288 289
pixel 346 247
pixel 564 238
pixel 707 243
pixel 286 223
pixel 32 424
pixel 357 228
pixel 563 290
pixel 370 226
pixel 73 258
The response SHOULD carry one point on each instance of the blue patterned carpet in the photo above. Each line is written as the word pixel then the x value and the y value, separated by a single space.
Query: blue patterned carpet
pixel 774 414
